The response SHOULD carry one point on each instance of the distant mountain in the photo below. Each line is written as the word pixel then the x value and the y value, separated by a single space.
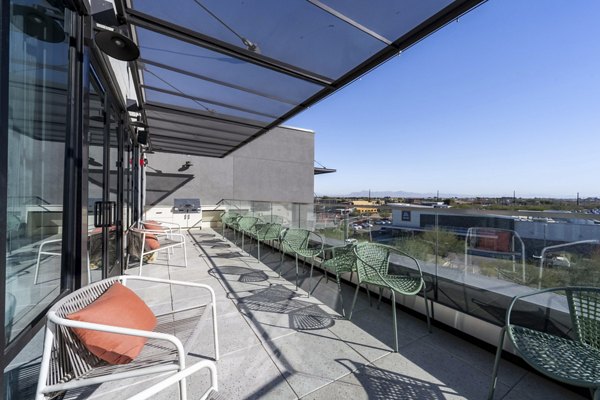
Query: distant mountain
pixel 400 193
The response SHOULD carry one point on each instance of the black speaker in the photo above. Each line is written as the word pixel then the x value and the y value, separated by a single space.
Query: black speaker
pixel 142 137
pixel 117 45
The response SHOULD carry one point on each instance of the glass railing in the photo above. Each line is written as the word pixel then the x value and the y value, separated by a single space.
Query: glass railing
pixel 475 261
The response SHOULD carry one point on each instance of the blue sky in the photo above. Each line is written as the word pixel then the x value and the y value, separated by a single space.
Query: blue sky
pixel 507 98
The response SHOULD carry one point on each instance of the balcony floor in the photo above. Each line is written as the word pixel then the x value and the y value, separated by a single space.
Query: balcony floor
pixel 277 343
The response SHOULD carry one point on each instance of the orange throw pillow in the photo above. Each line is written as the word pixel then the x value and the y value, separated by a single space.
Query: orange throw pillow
pixel 118 306
pixel 153 226
pixel 152 242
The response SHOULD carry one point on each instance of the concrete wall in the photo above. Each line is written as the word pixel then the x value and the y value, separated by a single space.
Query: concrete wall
pixel 277 166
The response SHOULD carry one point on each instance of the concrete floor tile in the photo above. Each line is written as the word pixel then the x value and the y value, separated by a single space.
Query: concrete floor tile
pixel 310 360
pixel 508 373
pixel 533 386
pixel 251 374
pixel 361 341
pixel 436 371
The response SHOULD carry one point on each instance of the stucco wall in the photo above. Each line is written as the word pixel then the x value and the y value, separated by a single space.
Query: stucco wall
pixel 277 166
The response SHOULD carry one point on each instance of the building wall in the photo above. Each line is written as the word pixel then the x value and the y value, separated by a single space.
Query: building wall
pixel 277 167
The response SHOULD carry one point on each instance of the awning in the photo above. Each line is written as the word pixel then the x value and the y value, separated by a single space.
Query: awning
pixel 216 74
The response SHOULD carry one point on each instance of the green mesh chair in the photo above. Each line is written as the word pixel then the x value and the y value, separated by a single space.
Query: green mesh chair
pixel 342 260
pixel 227 218
pixel 372 265
pixel 303 243
pixel 266 232
pixel 245 226
pixel 575 360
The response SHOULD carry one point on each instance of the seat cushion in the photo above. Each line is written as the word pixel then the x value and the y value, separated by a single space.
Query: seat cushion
pixel 118 306
pixel 153 226
pixel 151 242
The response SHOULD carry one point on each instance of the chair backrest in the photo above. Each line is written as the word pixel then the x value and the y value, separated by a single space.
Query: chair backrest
pixel 584 306
pixel 343 258
pixel 269 231
pixel 294 240
pixel 70 358
pixel 135 241
pixel 247 223
pixel 371 259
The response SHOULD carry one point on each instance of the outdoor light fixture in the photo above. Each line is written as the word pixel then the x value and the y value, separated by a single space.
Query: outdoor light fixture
pixel 35 22
pixel 117 45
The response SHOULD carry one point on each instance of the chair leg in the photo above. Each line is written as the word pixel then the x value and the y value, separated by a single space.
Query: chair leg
pixel 380 296
pixel 184 254
pixel 427 308
pixel 296 271
pixel 141 261
pixel 337 275
pixel 496 364
pixel 37 268
pixel 258 248
pixel 310 278
pixel 395 322
pixel 280 263
pixel 354 301
pixel 369 296
pixel 182 389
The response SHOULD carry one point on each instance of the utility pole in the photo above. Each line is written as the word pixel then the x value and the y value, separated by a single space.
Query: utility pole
pixel 578 198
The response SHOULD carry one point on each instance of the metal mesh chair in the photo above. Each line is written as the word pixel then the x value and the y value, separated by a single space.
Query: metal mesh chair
pixel 372 265
pixel 227 219
pixel 303 243
pixel 67 364
pixel 246 227
pixel 343 259
pixel 576 360
pixel 265 232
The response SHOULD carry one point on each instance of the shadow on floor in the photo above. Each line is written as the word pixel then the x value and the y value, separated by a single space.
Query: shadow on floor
pixel 383 384
pixel 281 300
pixel 245 274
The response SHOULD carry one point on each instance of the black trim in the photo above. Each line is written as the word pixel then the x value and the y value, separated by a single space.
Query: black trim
pixel 4 68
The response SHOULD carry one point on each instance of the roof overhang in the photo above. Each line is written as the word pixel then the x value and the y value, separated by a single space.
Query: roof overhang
pixel 213 76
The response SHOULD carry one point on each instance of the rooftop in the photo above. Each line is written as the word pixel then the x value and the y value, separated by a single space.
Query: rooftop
pixel 277 343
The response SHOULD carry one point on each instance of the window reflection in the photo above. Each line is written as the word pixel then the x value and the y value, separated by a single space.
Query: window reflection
pixel 36 139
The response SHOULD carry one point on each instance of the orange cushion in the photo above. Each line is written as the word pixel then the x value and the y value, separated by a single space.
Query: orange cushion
pixel 153 226
pixel 152 242
pixel 118 306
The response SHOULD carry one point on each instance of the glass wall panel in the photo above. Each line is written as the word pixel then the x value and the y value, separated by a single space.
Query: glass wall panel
pixel 37 130
pixel 95 178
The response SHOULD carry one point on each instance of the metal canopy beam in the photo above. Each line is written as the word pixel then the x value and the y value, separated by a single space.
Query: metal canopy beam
pixel 178 32
pixel 144 61
pixel 199 114
pixel 203 100
pixel 152 117
pixel 329 86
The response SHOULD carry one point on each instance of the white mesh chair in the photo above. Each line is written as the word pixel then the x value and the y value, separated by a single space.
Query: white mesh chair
pixel 67 364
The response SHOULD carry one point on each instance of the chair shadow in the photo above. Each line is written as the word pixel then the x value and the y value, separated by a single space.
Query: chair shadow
pixel 246 275
pixel 281 300
pixel 382 384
